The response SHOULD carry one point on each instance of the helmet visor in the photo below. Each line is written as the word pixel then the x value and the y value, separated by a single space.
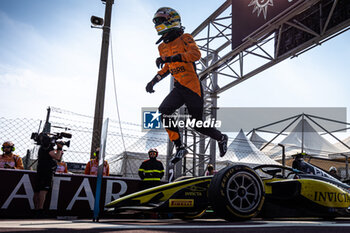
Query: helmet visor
pixel 159 20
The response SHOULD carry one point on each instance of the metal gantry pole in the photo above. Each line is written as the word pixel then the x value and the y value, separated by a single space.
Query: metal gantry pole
pixel 170 147
pixel 194 160
pixel 214 106
pixel 302 133
pixel 347 166
pixel 283 159
pixel 101 85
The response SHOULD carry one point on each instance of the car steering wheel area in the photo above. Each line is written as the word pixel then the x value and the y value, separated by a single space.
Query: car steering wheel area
pixel 273 170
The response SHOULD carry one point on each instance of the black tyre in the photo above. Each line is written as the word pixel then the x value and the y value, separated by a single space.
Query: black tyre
pixel 236 193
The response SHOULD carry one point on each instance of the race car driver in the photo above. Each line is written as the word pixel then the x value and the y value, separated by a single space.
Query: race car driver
pixel 178 53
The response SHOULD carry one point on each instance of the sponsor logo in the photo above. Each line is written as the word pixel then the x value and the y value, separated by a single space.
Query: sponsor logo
pixel 177 70
pixel 331 197
pixel 197 194
pixel 197 189
pixel 261 6
pixel 63 198
pixel 181 203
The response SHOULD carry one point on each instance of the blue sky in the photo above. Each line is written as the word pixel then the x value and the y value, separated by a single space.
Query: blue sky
pixel 49 56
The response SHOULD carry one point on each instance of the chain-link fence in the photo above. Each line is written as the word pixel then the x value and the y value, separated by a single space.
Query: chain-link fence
pixel 127 145
pixel 124 154
pixel 19 131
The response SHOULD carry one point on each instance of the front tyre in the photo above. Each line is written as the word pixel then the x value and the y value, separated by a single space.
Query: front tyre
pixel 236 193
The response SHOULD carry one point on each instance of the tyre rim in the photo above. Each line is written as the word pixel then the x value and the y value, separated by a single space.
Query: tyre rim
pixel 243 192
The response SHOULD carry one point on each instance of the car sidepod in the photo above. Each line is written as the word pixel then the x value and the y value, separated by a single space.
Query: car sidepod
pixel 304 198
pixel 187 196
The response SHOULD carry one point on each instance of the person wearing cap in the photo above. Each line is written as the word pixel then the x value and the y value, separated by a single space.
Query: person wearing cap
pixel 8 159
pixel 333 172
pixel 210 170
pixel 92 166
pixel 151 170
pixel 300 164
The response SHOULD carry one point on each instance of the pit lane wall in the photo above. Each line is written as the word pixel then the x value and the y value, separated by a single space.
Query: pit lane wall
pixel 71 194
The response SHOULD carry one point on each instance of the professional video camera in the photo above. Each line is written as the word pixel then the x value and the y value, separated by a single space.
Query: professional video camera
pixel 47 139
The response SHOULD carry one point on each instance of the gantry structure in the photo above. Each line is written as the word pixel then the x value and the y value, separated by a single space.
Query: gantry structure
pixel 229 59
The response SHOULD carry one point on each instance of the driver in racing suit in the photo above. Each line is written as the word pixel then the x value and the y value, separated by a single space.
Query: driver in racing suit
pixel 178 54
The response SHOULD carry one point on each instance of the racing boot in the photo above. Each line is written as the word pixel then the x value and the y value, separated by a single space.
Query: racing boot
pixel 180 153
pixel 223 145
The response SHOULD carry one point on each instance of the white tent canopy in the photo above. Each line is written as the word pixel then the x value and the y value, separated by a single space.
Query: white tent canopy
pixel 341 147
pixel 257 140
pixel 304 135
pixel 129 161
pixel 242 150
pixel 152 139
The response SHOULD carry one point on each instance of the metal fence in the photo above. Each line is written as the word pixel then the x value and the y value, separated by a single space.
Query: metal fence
pixel 19 132
pixel 125 150
pixel 124 155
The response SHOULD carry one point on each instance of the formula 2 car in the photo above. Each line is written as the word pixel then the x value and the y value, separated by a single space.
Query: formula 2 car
pixel 239 192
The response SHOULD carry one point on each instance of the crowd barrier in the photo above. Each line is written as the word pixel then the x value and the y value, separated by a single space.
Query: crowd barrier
pixel 71 194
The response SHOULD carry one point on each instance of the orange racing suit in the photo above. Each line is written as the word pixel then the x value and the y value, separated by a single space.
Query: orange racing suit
pixel 184 72
pixel 187 87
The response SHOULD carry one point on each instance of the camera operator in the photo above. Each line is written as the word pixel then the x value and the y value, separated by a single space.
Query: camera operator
pixel 46 168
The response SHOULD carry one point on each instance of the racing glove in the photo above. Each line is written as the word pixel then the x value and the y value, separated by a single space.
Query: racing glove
pixel 149 87
pixel 160 61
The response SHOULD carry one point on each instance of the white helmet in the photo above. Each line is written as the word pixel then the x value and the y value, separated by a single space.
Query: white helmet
pixel 153 151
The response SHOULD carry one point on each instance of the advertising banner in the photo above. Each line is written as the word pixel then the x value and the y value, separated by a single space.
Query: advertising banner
pixel 249 15
pixel 71 194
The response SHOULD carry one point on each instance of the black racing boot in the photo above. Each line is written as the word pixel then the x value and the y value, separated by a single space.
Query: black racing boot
pixel 223 145
pixel 180 153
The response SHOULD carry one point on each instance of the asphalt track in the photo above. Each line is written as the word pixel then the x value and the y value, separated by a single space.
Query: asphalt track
pixel 341 225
